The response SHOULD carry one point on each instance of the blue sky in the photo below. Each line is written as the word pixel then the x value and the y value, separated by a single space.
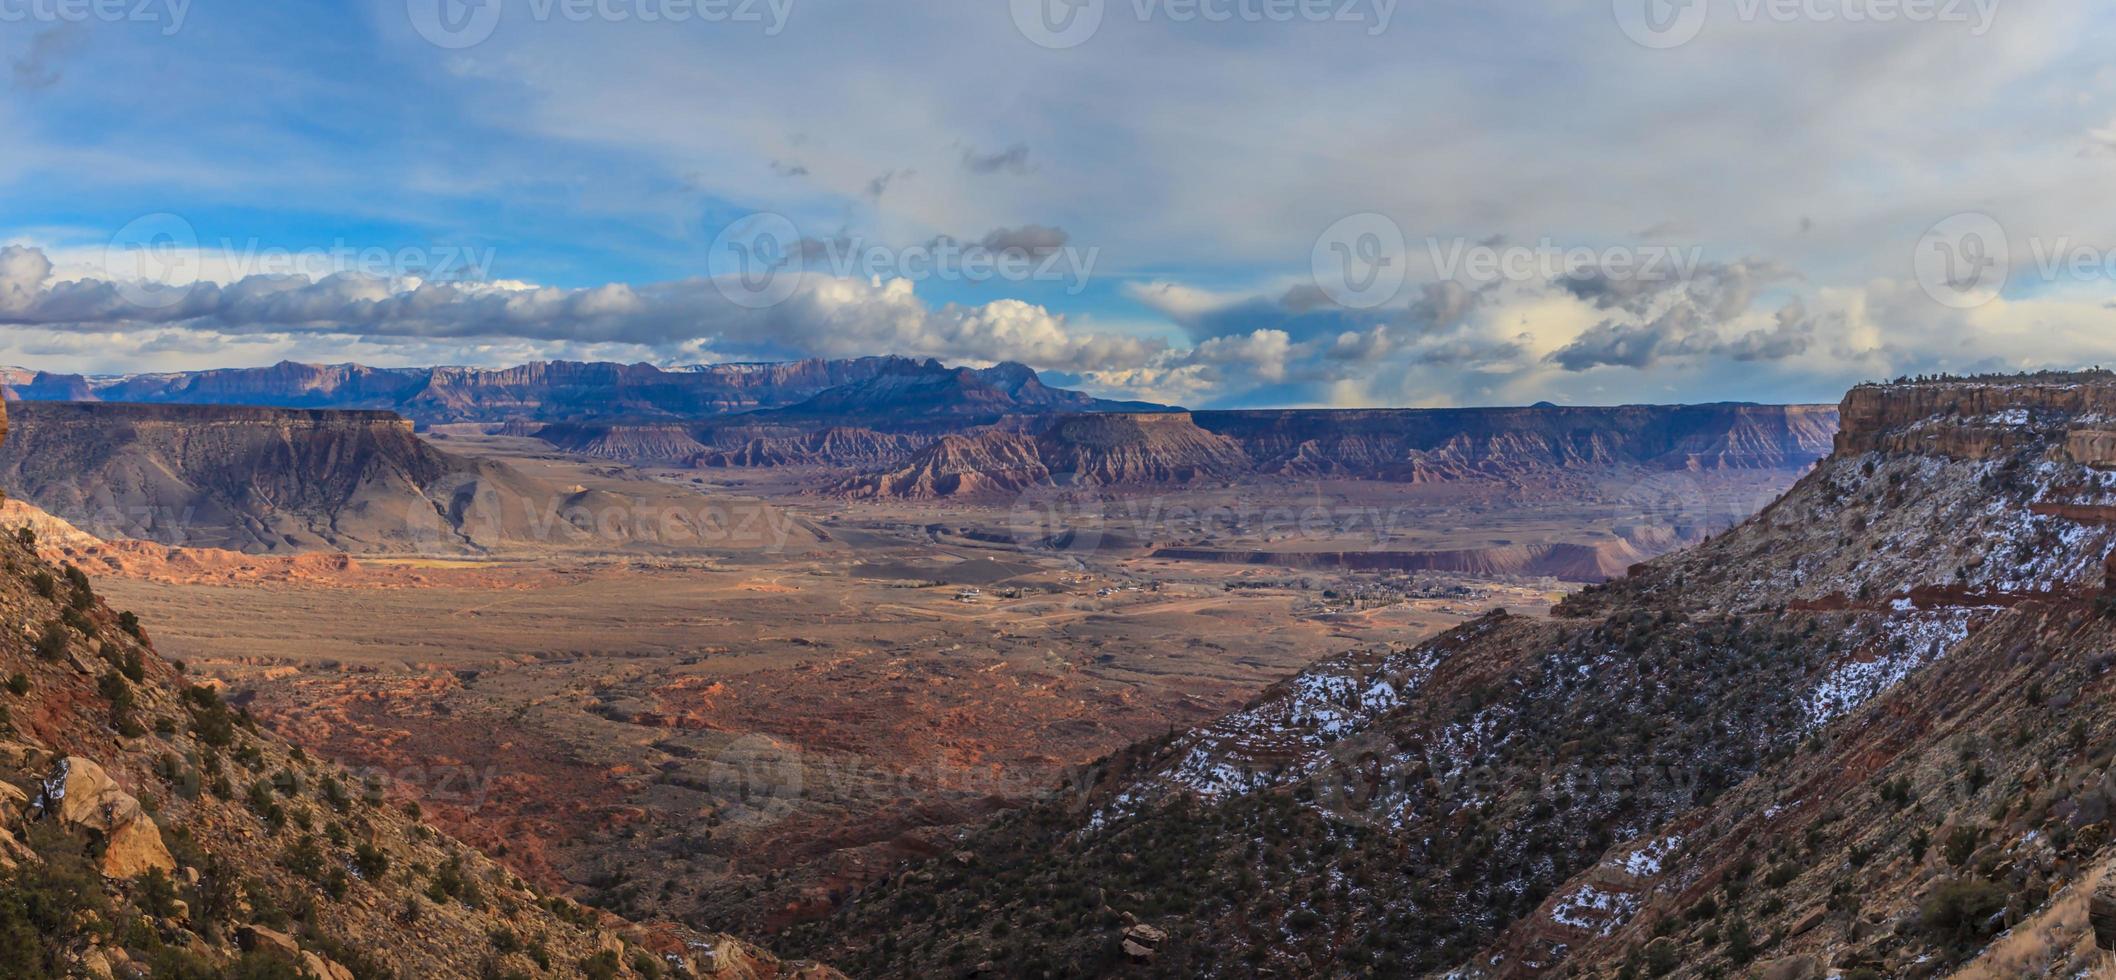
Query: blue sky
pixel 1195 205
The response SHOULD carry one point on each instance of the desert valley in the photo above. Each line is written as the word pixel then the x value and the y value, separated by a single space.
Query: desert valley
pixel 1057 490
pixel 731 669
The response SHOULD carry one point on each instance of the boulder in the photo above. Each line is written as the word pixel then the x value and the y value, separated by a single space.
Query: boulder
pixel 323 969
pixel 135 849
pixel 2101 914
pixel 82 797
pixel 1142 941
pixel 269 943
pixel 18 755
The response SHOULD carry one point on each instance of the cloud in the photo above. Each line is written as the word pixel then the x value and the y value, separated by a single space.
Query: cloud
pixel 1032 239
pixel 880 185
pixel 40 68
pixel 1012 160
pixel 824 316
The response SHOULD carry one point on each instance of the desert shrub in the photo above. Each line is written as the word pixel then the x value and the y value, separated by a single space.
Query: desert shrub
pixel 304 857
pixel 52 642
pixel 211 720
pixel 1741 943
pixel 370 861
pixel 157 894
pixel 18 684
pixel 1662 957
pixel 601 966
pixel 266 808
pixel 1960 910
pixel 1959 845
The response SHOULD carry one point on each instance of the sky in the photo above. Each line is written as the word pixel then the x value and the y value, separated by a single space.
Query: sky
pixel 1215 203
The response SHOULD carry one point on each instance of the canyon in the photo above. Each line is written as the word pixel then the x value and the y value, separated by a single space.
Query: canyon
pixel 734 669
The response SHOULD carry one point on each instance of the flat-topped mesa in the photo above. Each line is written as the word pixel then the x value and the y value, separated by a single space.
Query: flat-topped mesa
pixel 2072 414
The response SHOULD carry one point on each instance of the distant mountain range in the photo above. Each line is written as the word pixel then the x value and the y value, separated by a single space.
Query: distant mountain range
pixel 568 391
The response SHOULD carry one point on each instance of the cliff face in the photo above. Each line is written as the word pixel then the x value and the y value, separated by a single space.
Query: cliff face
pixel 148 828
pixel 1980 420
pixel 247 479
pixel 1864 732
pixel 1425 445
pixel 1523 446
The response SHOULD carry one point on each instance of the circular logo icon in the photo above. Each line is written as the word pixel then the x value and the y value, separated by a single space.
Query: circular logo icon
pixel 153 261
pixel 755 779
pixel 1660 24
pixel 454 24
pixel 1057 24
pixel 1049 520
pixel 1963 260
pixel 457 512
pixel 1359 261
pixel 756 261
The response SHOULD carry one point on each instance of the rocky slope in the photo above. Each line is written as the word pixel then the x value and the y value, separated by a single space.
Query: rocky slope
pixel 273 480
pixel 1863 734
pixel 149 828
pixel 1088 451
